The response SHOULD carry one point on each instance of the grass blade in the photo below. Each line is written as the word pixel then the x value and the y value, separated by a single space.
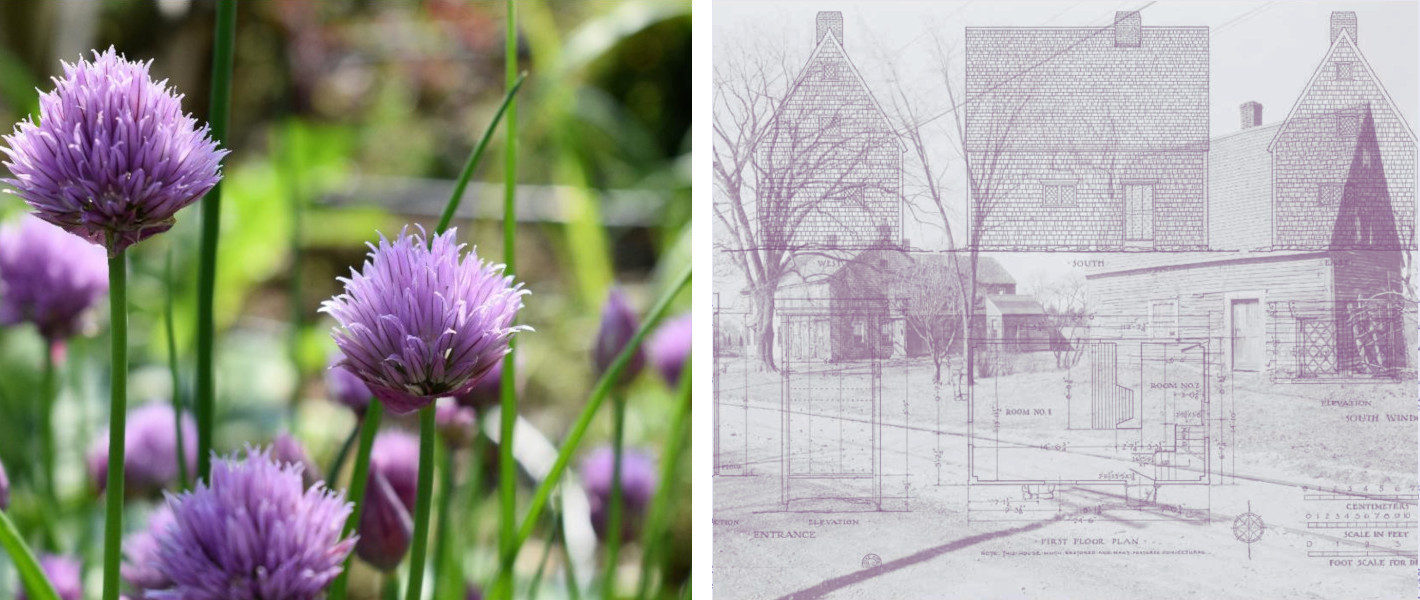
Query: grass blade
pixel 651 538
pixel 31 574
pixel 574 437
pixel 471 164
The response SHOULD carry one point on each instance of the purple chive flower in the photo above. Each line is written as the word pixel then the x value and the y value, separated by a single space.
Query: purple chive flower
pixel 149 450
pixel 422 320
pixel 64 573
pixel 113 154
pixel 619 324
pixel 457 423
pixel 49 278
pixel 345 387
pixel 255 532
pixel 386 527
pixel 287 449
pixel 638 484
pixel 669 347
pixel 140 554
pixel 4 488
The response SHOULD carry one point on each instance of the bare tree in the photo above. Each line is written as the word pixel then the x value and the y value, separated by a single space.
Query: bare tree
pixel 985 167
pixel 775 167
pixel 932 308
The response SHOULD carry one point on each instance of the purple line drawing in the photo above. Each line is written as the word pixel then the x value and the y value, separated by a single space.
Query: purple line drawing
pixel 1000 285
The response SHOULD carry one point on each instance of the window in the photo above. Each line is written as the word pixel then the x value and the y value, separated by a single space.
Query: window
pixel 1138 211
pixel 831 70
pixel 1163 318
pixel 1059 193
pixel 1345 71
pixel 830 128
pixel 1329 194
pixel 1348 126
pixel 854 197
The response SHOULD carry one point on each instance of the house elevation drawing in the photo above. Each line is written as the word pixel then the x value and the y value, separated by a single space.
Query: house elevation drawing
pixel 1065 300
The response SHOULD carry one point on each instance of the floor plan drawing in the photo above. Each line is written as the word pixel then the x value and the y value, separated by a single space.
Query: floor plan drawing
pixel 1011 299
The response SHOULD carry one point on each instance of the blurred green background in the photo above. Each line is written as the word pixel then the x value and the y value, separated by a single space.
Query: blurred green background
pixel 352 117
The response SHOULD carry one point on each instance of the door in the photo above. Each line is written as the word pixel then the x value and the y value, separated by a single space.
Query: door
pixel 1247 335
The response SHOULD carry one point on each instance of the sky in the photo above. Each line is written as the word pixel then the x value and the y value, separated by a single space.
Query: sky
pixel 1259 51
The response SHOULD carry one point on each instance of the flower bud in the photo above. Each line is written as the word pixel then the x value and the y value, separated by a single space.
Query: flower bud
pixel 457 424
pixel 345 387
pixel 150 450
pixel 4 488
pixel 64 573
pixel 386 527
pixel 669 348
pixel 619 324
pixel 638 484
pixel 287 449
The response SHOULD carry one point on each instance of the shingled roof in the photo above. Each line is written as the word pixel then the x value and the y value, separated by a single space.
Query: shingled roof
pixel 878 266
pixel 1079 88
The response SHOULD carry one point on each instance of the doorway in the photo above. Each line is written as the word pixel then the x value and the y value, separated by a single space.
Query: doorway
pixel 1246 334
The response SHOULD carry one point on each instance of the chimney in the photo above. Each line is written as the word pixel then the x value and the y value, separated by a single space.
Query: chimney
pixel 1128 28
pixel 1343 21
pixel 829 21
pixel 1251 114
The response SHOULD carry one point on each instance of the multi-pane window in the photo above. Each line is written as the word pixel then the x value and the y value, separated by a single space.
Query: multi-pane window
pixel 1163 318
pixel 1329 194
pixel 831 70
pixel 830 128
pixel 1139 211
pixel 1348 126
pixel 1059 193
pixel 1345 70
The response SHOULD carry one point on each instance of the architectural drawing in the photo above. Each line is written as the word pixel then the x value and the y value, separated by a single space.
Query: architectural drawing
pixel 1004 308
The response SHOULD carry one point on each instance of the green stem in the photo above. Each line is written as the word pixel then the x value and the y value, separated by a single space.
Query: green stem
pixel 292 179
pixel 472 163
pixel 546 553
pixel 223 45
pixel 36 584
pixel 443 530
pixel 46 422
pixel 574 438
pixel 333 472
pixel 651 538
pixel 428 434
pixel 117 420
pixel 369 426
pixel 475 478
pixel 173 371
pixel 507 474
pixel 390 589
pixel 615 506
pixel 573 591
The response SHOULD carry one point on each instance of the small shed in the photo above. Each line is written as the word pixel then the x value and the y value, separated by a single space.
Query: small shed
pixel 1017 322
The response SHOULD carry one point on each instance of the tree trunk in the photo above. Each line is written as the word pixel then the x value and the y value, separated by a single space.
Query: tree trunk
pixel 764 309
pixel 937 360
